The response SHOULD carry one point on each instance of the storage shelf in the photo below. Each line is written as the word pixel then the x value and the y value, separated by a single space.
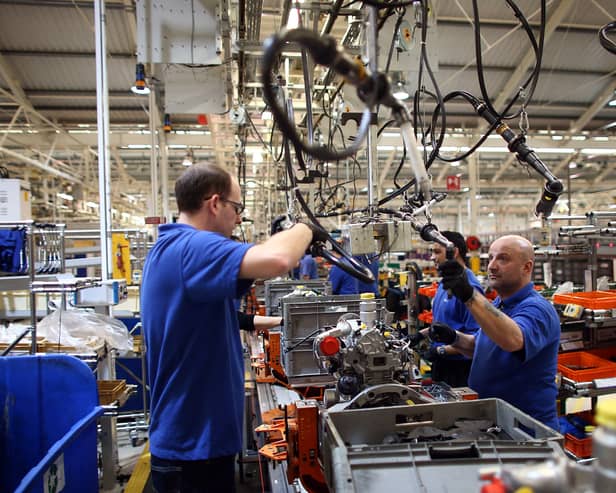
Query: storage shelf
pixel 20 283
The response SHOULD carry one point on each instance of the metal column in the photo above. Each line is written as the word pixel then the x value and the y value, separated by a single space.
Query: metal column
pixel 109 438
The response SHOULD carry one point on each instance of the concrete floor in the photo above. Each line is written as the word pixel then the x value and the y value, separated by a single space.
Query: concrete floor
pixel 248 482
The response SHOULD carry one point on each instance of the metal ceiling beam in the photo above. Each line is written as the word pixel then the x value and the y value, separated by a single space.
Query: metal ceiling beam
pixel 510 159
pixel 507 69
pixel 130 19
pixel 513 83
pixel 112 5
pixel 16 91
pixel 563 26
pixel 606 95
pixel 41 166
pixel 564 162
pixel 386 168
pixel 63 54
pixel 603 175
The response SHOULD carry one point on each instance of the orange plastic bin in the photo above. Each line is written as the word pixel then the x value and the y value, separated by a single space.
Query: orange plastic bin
pixel 581 366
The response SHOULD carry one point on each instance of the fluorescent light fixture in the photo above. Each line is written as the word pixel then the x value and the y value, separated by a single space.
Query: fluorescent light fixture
pixel 400 92
pixel 598 151
pixel 455 164
pixel 257 157
pixel 189 158
pixel 578 137
pixel 612 102
pixel 601 138
pixel 94 205
pixel 456 149
pixel 293 22
pixel 65 196
pixel 138 146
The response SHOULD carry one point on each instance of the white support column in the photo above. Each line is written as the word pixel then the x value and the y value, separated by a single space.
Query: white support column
pixel 108 425
pixel 473 211
pixel 154 209
pixel 102 115
pixel 164 176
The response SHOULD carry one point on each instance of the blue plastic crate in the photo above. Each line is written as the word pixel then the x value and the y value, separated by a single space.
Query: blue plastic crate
pixel 48 430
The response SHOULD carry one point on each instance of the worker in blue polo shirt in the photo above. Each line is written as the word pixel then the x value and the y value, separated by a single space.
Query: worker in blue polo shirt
pixel 308 268
pixel 342 282
pixel 448 364
pixel 372 262
pixel 516 348
pixel 192 277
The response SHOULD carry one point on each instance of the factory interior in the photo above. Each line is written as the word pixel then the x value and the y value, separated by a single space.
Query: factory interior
pixel 420 142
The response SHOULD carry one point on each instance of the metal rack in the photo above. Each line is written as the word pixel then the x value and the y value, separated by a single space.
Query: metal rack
pixel 33 229
pixel 586 247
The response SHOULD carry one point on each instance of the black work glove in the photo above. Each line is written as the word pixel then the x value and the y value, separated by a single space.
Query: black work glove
pixel 415 339
pixel 455 280
pixel 280 223
pixel 440 332
pixel 319 235
pixel 430 354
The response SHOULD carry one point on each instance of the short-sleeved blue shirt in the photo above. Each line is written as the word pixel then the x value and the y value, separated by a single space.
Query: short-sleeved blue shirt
pixel 525 379
pixel 372 262
pixel 342 283
pixel 194 353
pixel 308 267
pixel 451 311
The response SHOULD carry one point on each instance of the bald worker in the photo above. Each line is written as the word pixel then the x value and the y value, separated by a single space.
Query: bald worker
pixel 515 350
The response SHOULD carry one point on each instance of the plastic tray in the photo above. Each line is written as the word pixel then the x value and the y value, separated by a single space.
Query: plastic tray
pixel 580 447
pixel 595 300
pixel 358 457
pixel 275 290
pixel 429 291
pixel 607 353
pixel 581 366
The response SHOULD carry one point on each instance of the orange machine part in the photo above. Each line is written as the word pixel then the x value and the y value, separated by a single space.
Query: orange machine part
pixel 303 448
pixel 293 435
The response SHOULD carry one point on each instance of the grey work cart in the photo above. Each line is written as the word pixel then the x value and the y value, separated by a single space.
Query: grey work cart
pixel 357 457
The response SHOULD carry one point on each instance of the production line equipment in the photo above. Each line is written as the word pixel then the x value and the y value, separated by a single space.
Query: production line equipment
pixel 378 228
pixel 377 425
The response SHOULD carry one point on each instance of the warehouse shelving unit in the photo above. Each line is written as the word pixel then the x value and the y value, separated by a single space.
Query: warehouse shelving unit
pixel 50 261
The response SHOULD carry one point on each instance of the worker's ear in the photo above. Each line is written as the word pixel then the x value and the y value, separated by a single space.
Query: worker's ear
pixel 212 205
pixel 528 266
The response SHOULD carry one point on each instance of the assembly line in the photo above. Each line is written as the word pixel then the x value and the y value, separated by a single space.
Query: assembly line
pixel 352 248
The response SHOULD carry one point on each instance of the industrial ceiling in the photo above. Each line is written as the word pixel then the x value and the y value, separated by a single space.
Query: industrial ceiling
pixel 48 104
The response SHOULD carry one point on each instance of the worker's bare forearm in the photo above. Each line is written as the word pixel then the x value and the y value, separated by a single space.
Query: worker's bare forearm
pixel 495 324
pixel 465 344
pixel 278 255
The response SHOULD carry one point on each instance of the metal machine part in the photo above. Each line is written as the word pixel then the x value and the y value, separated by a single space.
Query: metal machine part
pixel 360 357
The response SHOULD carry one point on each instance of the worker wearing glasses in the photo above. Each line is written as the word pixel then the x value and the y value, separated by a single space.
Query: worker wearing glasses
pixel 191 278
